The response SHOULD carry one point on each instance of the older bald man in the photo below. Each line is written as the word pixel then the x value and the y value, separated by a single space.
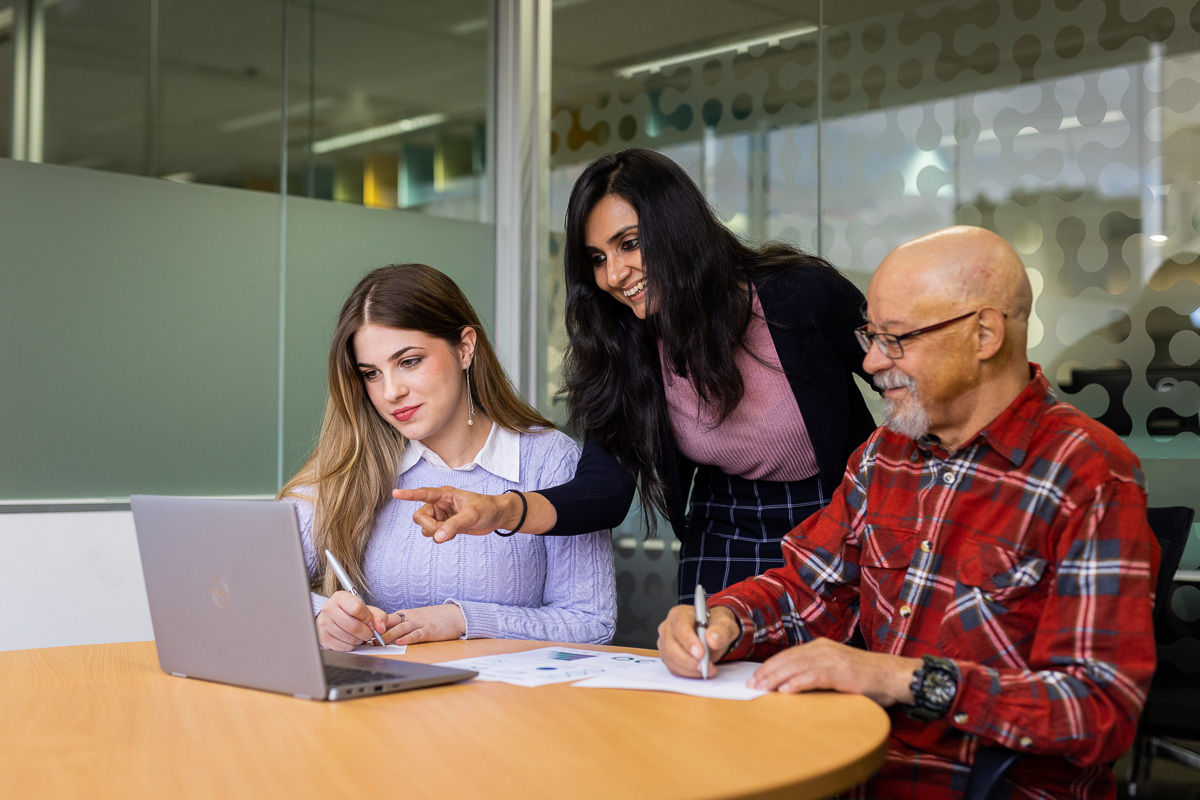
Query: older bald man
pixel 991 541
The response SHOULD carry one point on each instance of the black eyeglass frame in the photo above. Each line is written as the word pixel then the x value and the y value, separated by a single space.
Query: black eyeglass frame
pixel 889 341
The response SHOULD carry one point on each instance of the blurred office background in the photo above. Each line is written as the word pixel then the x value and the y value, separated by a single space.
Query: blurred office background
pixel 193 185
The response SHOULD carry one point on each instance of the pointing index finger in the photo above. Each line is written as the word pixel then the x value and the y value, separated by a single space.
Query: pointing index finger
pixel 419 495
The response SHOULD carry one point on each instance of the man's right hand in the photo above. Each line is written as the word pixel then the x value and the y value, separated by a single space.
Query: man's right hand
pixel 680 647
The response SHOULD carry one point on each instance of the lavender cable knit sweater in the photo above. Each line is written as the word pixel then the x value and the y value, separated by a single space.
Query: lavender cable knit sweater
pixel 548 588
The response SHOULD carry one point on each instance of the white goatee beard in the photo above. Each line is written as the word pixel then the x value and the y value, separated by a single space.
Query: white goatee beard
pixel 905 418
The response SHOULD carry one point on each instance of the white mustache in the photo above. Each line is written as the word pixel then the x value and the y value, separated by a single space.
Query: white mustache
pixel 893 379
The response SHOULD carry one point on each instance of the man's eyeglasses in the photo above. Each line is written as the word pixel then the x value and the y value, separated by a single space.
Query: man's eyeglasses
pixel 890 343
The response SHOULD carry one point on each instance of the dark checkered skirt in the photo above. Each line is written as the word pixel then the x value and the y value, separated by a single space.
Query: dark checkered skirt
pixel 735 526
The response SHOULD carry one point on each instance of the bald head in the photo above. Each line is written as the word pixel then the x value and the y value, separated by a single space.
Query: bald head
pixel 961 266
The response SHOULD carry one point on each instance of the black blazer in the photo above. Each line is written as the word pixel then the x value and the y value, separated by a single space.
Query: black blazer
pixel 811 314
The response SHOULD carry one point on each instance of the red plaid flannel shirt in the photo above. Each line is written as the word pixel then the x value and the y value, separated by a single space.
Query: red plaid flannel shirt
pixel 1025 557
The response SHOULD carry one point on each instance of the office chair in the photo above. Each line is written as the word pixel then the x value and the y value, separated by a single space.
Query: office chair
pixel 989 772
pixel 1169 711
pixel 1171 525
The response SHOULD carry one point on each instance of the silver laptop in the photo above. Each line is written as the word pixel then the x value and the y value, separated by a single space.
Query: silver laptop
pixel 229 600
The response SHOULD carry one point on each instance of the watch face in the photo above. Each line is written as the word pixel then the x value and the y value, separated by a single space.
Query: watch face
pixel 939 688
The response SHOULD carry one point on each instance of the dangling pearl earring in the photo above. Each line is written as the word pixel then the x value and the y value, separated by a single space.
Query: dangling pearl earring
pixel 470 405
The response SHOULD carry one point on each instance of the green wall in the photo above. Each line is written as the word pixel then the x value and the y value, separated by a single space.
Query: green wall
pixel 140 326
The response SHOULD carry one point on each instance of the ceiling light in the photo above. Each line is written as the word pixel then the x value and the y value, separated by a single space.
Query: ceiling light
pixel 740 46
pixel 272 117
pixel 378 132
pixel 467 27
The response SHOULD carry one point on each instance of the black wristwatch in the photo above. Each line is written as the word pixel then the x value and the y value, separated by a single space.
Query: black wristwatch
pixel 934 685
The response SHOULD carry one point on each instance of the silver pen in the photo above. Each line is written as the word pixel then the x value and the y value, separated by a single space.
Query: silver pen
pixel 349 586
pixel 702 628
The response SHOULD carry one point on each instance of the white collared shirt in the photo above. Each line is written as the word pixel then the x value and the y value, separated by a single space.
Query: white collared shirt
pixel 500 455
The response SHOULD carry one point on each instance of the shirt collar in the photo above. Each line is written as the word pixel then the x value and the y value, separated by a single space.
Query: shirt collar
pixel 500 455
pixel 1010 432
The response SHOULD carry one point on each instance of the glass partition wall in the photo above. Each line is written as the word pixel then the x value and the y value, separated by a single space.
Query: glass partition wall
pixel 1069 127
pixel 193 189
pixel 386 104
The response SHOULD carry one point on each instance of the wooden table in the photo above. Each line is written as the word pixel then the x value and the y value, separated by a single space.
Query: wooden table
pixel 104 721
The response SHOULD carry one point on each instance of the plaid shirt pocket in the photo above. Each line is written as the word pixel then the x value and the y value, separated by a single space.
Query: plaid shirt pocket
pixel 995 607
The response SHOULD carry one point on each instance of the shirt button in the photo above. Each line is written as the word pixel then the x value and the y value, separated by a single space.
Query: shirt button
pixel 906 611
pixel 926 546
pixel 947 477
pixel 1026 742
pixel 961 718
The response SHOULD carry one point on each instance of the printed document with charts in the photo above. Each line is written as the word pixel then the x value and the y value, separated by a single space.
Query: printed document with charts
pixel 603 670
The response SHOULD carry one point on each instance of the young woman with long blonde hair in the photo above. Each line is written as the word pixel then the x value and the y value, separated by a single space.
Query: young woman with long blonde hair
pixel 418 397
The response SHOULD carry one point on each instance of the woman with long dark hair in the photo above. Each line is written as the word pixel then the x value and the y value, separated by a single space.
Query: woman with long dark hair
pixel 417 396
pixel 705 373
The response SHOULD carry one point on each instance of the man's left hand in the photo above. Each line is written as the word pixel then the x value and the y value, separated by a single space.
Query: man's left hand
pixel 826 664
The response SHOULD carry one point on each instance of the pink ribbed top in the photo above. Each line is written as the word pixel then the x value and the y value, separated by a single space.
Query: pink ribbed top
pixel 765 437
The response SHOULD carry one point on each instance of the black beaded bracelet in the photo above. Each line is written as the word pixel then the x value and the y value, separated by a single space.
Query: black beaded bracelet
pixel 524 511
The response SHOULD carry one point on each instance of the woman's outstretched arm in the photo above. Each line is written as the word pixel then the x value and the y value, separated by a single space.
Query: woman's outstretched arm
pixel 598 497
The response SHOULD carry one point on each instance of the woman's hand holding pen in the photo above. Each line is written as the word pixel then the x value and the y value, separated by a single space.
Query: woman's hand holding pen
pixel 426 624
pixel 346 622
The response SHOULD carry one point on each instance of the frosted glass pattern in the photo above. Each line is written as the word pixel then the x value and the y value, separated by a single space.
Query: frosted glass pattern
pixel 1069 127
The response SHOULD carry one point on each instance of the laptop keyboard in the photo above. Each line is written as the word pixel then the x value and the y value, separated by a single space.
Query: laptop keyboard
pixel 345 676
